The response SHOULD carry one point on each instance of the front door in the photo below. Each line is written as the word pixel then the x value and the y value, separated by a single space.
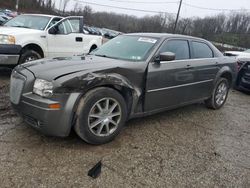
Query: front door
pixel 168 83
pixel 68 39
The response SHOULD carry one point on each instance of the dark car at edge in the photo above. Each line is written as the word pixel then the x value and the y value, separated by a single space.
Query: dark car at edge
pixel 130 76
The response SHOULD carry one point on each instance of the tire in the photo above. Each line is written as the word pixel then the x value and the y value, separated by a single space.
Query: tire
pixel 92 48
pixel 93 117
pixel 29 55
pixel 219 95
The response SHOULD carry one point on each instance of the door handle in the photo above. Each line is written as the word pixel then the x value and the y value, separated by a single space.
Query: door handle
pixel 78 39
pixel 189 67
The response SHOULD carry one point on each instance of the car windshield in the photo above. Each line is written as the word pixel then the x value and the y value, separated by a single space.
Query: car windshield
pixel 132 48
pixel 247 51
pixel 29 21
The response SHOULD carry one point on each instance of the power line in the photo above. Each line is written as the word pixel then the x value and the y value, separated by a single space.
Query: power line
pixel 123 8
pixel 213 9
pixel 153 11
pixel 174 2
pixel 147 2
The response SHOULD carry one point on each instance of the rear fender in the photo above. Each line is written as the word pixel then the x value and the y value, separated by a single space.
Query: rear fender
pixel 222 71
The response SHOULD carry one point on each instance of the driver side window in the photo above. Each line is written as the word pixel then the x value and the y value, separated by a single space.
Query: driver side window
pixel 179 47
pixel 54 21
pixel 64 28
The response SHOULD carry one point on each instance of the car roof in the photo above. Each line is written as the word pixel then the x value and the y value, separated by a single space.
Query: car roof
pixel 165 35
pixel 45 15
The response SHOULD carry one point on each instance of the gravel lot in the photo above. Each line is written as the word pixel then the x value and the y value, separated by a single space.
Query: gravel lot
pixel 187 147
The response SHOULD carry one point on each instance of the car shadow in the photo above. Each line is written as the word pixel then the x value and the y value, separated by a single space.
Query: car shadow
pixel 133 124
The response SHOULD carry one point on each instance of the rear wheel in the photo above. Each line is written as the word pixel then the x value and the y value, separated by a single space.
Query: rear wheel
pixel 29 55
pixel 101 115
pixel 219 95
pixel 92 48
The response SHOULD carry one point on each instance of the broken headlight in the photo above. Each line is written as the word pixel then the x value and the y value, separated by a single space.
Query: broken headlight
pixel 43 88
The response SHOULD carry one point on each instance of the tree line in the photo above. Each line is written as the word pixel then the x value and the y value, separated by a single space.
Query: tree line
pixel 231 28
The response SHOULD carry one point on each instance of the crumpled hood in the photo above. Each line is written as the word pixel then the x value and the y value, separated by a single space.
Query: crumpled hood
pixel 17 31
pixel 51 69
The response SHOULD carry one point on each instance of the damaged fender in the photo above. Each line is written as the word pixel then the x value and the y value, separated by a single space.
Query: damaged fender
pixel 84 83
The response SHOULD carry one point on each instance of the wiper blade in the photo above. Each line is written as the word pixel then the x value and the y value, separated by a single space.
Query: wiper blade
pixel 21 26
pixel 100 55
pixel 103 55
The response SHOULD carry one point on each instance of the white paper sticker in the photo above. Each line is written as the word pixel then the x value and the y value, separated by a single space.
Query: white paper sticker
pixel 144 39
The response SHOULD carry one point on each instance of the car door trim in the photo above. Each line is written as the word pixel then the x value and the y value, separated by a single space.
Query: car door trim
pixel 182 85
pixel 183 60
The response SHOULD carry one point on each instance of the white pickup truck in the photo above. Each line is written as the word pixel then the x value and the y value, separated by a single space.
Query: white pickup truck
pixel 33 36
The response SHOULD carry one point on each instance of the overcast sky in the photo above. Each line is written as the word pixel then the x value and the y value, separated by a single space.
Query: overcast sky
pixel 172 7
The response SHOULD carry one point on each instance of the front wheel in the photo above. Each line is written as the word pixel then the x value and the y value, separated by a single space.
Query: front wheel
pixel 219 95
pixel 29 55
pixel 101 115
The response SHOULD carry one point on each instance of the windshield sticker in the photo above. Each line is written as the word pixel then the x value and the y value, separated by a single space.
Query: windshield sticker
pixel 144 39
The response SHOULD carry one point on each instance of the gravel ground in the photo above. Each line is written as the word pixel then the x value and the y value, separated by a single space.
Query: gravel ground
pixel 187 147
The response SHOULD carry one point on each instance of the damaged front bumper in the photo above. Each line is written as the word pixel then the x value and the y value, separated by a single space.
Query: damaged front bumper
pixel 37 111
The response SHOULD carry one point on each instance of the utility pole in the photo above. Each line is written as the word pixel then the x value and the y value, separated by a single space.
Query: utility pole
pixel 177 17
pixel 17 5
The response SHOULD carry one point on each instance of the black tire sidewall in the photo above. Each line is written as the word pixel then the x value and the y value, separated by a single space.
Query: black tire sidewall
pixel 28 53
pixel 87 102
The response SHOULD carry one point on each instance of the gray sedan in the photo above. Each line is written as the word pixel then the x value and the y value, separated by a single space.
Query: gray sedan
pixel 130 76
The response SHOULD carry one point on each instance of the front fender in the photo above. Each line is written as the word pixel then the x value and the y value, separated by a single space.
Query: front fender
pixel 82 84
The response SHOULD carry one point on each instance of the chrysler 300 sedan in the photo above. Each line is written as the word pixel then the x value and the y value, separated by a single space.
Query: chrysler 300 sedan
pixel 130 76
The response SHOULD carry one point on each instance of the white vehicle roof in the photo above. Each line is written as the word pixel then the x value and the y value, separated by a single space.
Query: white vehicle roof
pixel 45 15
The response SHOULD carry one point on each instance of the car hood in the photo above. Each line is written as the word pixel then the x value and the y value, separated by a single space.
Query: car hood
pixel 17 30
pixel 52 69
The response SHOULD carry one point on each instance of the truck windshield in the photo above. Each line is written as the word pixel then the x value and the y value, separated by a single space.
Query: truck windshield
pixel 132 48
pixel 29 21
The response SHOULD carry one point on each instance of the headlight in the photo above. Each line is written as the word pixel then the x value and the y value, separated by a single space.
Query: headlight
pixel 7 39
pixel 43 88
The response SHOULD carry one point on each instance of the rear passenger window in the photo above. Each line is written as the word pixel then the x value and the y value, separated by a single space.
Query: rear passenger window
pixel 202 50
pixel 179 47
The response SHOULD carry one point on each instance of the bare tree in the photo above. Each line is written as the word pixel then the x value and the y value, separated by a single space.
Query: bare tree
pixel 64 5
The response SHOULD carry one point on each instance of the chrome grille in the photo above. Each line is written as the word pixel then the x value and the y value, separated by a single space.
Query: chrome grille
pixel 16 86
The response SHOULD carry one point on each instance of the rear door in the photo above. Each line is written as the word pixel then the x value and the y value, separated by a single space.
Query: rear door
pixel 168 82
pixel 205 65
pixel 68 40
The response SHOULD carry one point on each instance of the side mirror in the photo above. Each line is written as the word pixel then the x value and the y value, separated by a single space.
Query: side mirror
pixel 165 56
pixel 53 30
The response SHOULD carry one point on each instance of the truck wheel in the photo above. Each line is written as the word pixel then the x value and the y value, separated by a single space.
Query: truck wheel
pixel 219 95
pixel 101 114
pixel 92 48
pixel 29 55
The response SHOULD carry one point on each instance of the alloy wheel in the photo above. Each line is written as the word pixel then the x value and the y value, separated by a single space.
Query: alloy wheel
pixel 104 117
pixel 221 93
